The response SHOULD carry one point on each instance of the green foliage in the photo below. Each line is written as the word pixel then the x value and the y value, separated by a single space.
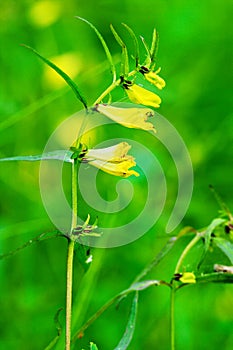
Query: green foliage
pixel 33 282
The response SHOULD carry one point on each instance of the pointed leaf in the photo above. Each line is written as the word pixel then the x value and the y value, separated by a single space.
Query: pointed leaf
pixel 207 236
pixel 129 331
pixel 154 46
pixel 125 59
pixel 216 277
pixel 63 155
pixel 41 237
pixel 136 45
pixel 106 49
pixel 148 58
pixel 67 79
pixel 225 246
pixel 138 286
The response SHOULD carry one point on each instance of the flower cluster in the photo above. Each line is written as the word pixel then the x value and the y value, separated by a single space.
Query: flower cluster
pixel 115 160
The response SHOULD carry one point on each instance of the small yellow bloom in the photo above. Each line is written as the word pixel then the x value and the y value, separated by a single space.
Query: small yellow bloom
pixel 113 160
pixel 155 79
pixel 138 94
pixel 188 277
pixel 129 117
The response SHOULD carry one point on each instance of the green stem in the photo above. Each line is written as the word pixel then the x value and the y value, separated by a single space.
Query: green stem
pixel 70 255
pixel 74 193
pixel 112 87
pixel 172 318
pixel 107 91
pixel 191 244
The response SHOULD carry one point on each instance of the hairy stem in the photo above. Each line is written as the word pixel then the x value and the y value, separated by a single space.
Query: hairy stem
pixel 70 255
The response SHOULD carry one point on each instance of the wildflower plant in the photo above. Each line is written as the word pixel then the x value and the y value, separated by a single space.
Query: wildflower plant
pixel 118 160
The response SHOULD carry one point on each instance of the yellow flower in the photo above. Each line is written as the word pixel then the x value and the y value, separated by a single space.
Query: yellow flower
pixel 188 277
pixel 129 117
pixel 155 79
pixel 113 160
pixel 138 94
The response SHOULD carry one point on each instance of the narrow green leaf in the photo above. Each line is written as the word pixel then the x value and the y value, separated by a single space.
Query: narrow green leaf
pixel 39 238
pixel 136 45
pixel 225 246
pixel 106 49
pixel 67 79
pixel 135 287
pixel 125 59
pixel 154 47
pixel 138 286
pixel 63 155
pixel 207 236
pixel 215 277
pixel 129 331
pixel 148 58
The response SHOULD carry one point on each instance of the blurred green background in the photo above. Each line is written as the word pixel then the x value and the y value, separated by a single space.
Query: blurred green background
pixel 194 53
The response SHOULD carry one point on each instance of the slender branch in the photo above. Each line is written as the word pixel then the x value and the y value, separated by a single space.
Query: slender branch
pixel 99 312
pixel 111 87
pixel 191 244
pixel 107 91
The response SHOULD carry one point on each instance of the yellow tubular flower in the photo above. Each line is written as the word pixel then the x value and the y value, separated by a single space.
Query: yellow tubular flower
pixel 129 117
pixel 114 154
pixel 155 79
pixel 113 160
pixel 138 94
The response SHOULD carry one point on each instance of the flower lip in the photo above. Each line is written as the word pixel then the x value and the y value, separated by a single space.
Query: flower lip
pixel 113 160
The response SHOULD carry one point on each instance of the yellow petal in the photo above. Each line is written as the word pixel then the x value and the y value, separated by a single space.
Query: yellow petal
pixel 117 169
pixel 114 154
pixel 188 277
pixel 155 79
pixel 130 117
pixel 138 94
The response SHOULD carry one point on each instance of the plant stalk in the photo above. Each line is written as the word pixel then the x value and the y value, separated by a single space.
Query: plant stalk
pixel 70 255
pixel 172 318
